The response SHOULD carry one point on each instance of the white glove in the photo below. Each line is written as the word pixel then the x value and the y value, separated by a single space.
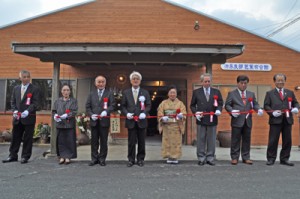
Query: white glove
pixel 142 116
pixel 218 113
pixel 295 110
pixel 164 118
pixel 15 114
pixel 129 116
pixel 199 115
pixel 103 114
pixel 94 117
pixel 64 116
pixel 179 115
pixel 235 113
pixel 260 112
pixel 24 114
pixel 276 113
pixel 57 119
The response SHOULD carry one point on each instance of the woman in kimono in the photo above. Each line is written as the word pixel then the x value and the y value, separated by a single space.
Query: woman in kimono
pixel 171 121
pixel 65 110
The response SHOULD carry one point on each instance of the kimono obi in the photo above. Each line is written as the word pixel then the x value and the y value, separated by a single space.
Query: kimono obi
pixel 171 113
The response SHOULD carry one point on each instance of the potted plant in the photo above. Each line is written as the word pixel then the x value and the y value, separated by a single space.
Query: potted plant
pixel 82 122
pixel 44 133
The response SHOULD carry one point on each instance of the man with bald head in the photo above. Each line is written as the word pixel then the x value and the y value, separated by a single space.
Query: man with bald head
pixel 280 104
pixel 100 103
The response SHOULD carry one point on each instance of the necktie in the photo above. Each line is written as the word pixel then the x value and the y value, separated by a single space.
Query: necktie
pixel 280 94
pixel 244 98
pixel 100 94
pixel 22 91
pixel 206 94
pixel 135 94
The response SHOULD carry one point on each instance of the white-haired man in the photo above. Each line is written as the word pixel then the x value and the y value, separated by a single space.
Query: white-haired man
pixel 136 104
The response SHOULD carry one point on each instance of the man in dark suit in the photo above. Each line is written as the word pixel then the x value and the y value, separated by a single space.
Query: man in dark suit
pixel 136 104
pixel 206 99
pixel 100 103
pixel 24 104
pixel 240 103
pixel 278 103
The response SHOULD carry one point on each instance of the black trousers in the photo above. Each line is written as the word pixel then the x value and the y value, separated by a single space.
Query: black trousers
pixel 274 135
pixel 21 132
pixel 99 135
pixel 237 134
pixel 136 135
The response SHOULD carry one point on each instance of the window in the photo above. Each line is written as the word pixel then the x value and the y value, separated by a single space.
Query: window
pixel 45 88
pixel 11 83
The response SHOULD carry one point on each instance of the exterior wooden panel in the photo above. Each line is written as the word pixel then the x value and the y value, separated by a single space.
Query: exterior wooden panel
pixel 144 21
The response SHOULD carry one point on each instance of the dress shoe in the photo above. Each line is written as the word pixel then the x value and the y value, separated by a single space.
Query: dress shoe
pixel 61 161
pixel 24 161
pixel 211 163
pixel 270 162
pixel 67 161
pixel 130 164
pixel 140 163
pixel 201 163
pixel 250 162
pixel 234 162
pixel 102 163
pixel 10 159
pixel 92 163
pixel 286 162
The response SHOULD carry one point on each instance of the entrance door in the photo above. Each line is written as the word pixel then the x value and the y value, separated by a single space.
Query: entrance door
pixel 158 90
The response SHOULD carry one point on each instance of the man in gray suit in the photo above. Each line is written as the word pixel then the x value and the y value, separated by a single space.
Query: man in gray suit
pixel 100 103
pixel 206 99
pixel 279 102
pixel 239 104
pixel 136 104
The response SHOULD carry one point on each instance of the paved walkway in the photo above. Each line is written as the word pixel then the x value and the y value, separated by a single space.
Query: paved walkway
pixel 117 150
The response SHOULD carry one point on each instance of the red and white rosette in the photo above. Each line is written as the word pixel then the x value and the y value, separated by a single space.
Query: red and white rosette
pixel 142 102
pixel 215 100
pixel 211 114
pixel 250 99
pixel 290 102
pixel 29 95
pixel 287 113
pixel 105 100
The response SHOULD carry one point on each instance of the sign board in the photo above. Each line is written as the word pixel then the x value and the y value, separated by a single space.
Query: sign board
pixel 246 66
pixel 115 125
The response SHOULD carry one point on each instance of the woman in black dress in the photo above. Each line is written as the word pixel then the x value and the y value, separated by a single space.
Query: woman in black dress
pixel 65 110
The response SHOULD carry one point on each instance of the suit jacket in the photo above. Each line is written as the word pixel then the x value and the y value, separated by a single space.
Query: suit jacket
pixel 18 104
pixel 273 102
pixel 234 101
pixel 60 107
pixel 128 106
pixel 199 103
pixel 95 106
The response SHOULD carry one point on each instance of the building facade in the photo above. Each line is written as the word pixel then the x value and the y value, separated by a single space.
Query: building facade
pixel 118 37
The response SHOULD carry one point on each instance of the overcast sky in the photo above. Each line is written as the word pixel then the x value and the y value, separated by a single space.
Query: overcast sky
pixel 262 17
